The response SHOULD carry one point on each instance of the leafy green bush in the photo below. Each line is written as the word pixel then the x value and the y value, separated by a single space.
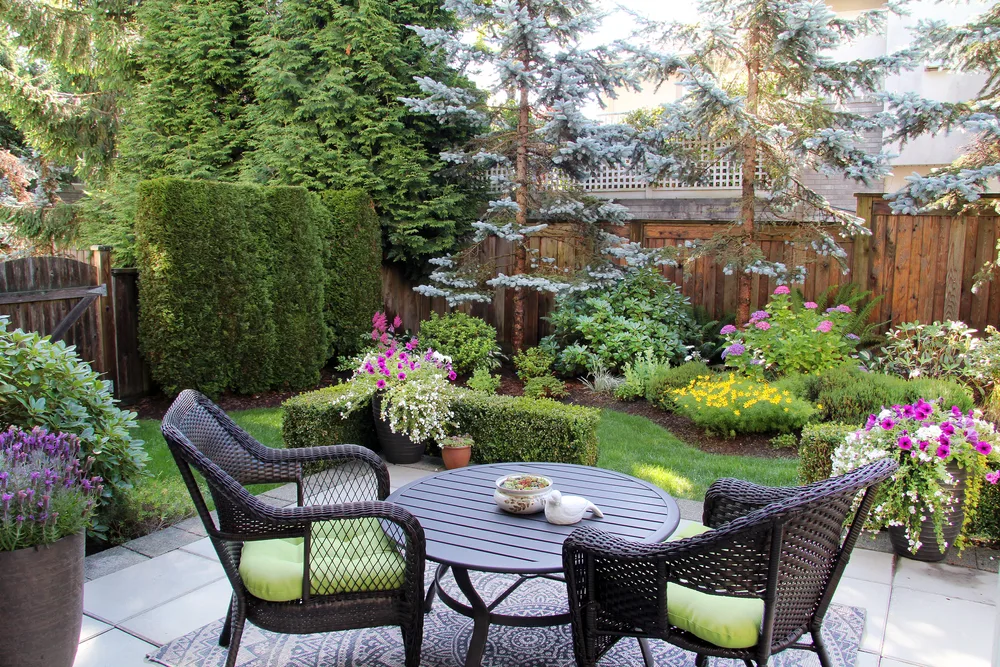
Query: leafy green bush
pixel 509 428
pixel 639 374
pixel 803 385
pixel 849 394
pixel 46 384
pixel 483 382
pixel 231 285
pixel 816 446
pixel 533 362
pixel 862 304
pixel 469 341
pixel 784 338
pixel 661 385
pixel 730 404
pixel 313 418
pixel 352 261
pixel 546 386
pixel 575 360
pixel 619 322
pixel 151 505
pixel 986 521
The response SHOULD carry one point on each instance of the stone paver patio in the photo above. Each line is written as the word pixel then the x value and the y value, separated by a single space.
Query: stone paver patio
pixel 159 587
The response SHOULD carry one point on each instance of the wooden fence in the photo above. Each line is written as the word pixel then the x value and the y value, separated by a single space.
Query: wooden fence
pixel 80 299
pixel 924 265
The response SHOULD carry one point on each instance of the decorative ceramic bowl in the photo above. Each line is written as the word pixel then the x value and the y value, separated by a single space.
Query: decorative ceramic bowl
pixel 522 493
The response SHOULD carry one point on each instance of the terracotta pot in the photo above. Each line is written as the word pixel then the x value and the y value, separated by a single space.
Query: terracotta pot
pixel 456 457
pixel 397 447
pixel 42 593
pixel 930 550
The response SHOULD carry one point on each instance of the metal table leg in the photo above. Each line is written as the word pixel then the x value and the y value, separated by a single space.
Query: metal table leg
pixel 480 617
pixel 433 588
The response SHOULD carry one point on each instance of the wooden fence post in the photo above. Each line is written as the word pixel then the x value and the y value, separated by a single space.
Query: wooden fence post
pixel 101 261
pixel 861 271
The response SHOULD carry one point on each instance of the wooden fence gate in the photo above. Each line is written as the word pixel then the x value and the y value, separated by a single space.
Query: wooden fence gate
pixel 79 299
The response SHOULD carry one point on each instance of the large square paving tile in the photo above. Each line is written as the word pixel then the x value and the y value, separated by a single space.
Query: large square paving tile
pixel 930 629
pixel 91 627
pixel 874 599
pixel 870 566
pixel 181 616
pixel 160 542
pixel 402 475
pixel 110 561
pixel 114 648
pixel 948 580
pixel 203 548
pixel 867 660
pixel 141 587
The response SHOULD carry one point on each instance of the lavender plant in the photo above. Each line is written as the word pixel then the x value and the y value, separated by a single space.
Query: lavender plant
pixel 46 492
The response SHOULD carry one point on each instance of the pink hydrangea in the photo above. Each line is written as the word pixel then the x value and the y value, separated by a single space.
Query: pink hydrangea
pixel 728 329
pixel 824 326
pixel 782 289
pixel 843 308
pixel 762 325
pixel 811 305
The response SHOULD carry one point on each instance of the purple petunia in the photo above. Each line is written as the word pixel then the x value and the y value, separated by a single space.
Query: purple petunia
pixel 452 375
pixel 888 423
pixel 943 451
pixel 380 384
pixel 905 443
pixel 984 447
pixel 401 375
pixel 923 445
pixel 993 477
pixel 728 329
pixel 824 326
pixel 947 428
pixel 763 326
pixel 782 289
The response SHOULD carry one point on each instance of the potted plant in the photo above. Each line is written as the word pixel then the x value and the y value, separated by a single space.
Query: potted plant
pixel 942 465
pixel 46 499
pixel 456 450
pixel 410 392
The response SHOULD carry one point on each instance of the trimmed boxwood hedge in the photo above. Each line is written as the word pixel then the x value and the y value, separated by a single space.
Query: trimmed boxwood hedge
pixel 310 420
pixel 352 258
pixel 505 428
pixel 816 447
pixel 231 285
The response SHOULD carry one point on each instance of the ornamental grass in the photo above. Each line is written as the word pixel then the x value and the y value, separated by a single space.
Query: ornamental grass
pixel 730 404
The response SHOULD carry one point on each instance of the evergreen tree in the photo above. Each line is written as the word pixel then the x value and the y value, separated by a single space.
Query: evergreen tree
pixel 187 116
pixel 972 47
pixel 536 132
pixel 328 78
pixel 763 91
pixel 65 70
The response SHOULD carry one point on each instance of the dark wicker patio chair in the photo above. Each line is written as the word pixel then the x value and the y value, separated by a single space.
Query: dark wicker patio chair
pixel 340 560
pixel 758 578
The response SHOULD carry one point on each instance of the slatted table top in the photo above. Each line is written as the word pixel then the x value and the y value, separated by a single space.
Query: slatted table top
pixel 465 528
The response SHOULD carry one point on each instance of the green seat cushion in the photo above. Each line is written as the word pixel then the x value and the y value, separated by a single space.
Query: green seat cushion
pixel 347 556
pixel 719 619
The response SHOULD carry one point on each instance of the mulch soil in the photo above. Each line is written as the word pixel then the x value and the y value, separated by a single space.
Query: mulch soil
pixel 154 407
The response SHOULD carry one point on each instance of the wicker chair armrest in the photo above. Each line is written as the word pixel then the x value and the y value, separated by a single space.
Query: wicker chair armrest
pixel 729 499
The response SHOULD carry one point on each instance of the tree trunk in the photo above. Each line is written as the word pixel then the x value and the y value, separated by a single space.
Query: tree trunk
pixel 748 195
pixel 521 181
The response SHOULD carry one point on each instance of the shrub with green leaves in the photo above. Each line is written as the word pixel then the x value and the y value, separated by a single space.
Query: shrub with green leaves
pixel 849 394
pixel 862 304
pixel 730 404
pixel 483 382
pixel 533 362
pixel 46 384
pixel 786 338
pixel 231 285
pixel 508 428
pixel 546 386
pixel 661 385
pixel 575 360
pixel 644 311
pixel 352 262
pixel 314 418
pixel 816 446
pixel 639 375
pixel 469 341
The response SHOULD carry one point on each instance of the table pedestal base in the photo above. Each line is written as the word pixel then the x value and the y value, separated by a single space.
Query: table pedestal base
pixel 482 612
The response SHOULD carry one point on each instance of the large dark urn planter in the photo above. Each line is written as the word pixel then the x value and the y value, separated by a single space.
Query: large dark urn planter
pixel 397 447
pixel 930 550
pixel 41 591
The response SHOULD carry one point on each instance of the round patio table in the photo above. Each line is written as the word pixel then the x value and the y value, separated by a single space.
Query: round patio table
pixel 465 531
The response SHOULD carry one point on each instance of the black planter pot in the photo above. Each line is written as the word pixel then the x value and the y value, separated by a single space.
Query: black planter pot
pixel 41 589
pixel 397 447
pixel 930 549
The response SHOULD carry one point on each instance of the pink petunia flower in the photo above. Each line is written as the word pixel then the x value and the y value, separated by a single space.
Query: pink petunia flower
pixel 824 326
pixel 782 289
pixel 401 375
pixel 993 477
pixel 452 375
pixel 380 384
pixel 943 451
pixel 811 305
pixel 888 423
pixel 905 443
pixel 923 445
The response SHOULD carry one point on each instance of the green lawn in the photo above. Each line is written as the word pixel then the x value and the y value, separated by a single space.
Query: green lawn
pixel 628 443
pixel 638 447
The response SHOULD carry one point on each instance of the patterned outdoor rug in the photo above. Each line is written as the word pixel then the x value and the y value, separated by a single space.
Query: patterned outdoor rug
pixel 446 638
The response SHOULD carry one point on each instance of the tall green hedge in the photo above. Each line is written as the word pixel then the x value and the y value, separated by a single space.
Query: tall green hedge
pixel 231 285
pixel 352 258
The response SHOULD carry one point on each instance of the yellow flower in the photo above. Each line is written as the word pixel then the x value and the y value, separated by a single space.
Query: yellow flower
pixel 819 406
pixel 786 409
pixel 736 412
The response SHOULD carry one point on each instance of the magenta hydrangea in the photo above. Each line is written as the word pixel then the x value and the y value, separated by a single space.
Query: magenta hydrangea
pixel 734 350
pixel 762 325
pixel 843 308
pixel 759 315
pixel 782 289
pixel 825 326
pixel 811 305
pixel 728 329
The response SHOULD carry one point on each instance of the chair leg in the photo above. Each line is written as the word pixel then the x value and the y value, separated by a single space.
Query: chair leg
pixel 824 657
pixel 647 656
pixel 748 662
pixel 411 647
pixel 701 660
pixel 239 620
pixel 227 627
